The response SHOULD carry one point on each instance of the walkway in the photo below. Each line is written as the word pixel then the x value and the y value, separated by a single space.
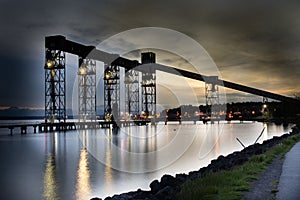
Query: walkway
pixel 289 183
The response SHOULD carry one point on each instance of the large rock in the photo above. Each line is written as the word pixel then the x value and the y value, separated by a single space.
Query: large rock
pixel 165 194
pixel 155 186
pixel 167 180
pixel 181 178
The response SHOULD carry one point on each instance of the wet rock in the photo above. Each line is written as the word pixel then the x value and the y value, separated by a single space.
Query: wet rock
pixel 136 195
pixel 167 180
pixel 155 186
pixel 194 175
pixel 165 194
pixel 181 178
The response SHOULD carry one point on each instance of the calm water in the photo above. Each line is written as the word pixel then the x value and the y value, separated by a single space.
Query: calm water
pixel 85 164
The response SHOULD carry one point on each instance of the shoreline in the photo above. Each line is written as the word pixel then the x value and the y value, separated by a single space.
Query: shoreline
pixel 169 185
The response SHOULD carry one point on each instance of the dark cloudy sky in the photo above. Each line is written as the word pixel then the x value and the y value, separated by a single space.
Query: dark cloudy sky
pixel 256 43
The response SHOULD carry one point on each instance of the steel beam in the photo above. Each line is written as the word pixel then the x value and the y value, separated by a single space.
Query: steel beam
pixel 227 84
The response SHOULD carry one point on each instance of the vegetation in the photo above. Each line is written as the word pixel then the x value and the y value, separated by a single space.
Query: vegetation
pixel 232 184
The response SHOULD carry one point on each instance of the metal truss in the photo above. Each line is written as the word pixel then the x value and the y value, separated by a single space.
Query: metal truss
pixel 87 90
pixel 55 85
pixel 132 93
pixel 212 97
pixel 148 85
pixel 111 92
pixel 265 100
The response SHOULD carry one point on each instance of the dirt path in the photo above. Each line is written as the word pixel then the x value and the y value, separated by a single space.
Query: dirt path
pixel 266 185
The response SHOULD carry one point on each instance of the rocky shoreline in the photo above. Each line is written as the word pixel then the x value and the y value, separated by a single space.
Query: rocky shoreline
pixel 169 185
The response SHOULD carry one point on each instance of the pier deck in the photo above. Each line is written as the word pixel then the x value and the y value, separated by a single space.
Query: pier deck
pixel 65 126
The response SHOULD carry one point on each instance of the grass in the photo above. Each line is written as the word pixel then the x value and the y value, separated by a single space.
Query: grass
pixel 232 184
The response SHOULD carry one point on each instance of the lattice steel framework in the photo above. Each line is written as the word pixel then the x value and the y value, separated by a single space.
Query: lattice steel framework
pixel 132 93
pixel 265 100
pixel 212 96
pixel 87 90
pixel 55 85
pixel 111 91
pixel 148 84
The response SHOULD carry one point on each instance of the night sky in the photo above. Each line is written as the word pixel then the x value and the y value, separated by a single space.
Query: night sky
pixel 255 43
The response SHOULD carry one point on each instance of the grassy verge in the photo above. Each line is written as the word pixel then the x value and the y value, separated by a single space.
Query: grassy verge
pixel 232 184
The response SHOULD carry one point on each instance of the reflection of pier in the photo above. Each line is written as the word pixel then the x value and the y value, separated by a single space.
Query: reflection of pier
pixel 58 168
pixel 83 176
pixel 50 182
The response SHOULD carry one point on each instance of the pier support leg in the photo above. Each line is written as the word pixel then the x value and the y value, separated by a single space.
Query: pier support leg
pixel 23 130
pixel 11 131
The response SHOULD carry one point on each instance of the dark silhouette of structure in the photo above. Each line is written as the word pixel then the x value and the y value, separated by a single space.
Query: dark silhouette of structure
pixel 55 92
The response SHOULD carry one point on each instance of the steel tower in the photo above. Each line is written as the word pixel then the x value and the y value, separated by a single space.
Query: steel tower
pixel 55 85
pixel 148 84
pixel 132 93
pixel 111 92
pixel 87 90
pixel 212 97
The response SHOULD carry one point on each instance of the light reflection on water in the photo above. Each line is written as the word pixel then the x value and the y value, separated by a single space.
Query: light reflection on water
pixel 108 170
pixel 50 183
pixel 83 176
pixel 70 171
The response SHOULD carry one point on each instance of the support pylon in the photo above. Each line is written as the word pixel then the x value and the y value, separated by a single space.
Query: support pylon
pixel 55 85
pixel 212 97
pixel 111 92
pixel 132 93
pixel 148 85
pixel 86 90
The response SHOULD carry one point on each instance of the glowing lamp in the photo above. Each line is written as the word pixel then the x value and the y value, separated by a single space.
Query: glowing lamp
pixel 82 71
pixel 49 63
pixel 107 75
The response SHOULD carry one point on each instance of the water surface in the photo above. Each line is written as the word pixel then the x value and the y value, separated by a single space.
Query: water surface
pixel 88 163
